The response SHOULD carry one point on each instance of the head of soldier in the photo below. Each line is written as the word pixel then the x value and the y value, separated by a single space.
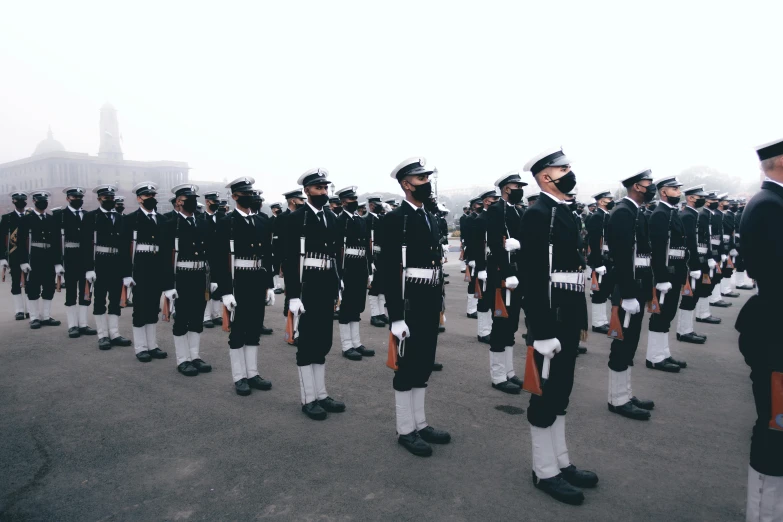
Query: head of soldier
pixel 119 204
pixel 19 200
pixel 375 205
pixel 712 201
pixel 212 202
pixel 552 171
pixel 75 197
pixel 771 158
pixel 605 201
pixel 362 210
pixel 669 190
pixel 348 199
pixel 257 201
pixel 488 198
pixel 105 197
pixel 315 186
pixel 294 199
pixel 187 198
pixel 145 195
pixel 466 210
pixel 41 201
pixel 242 192
pixel 476 206
pixel 640 187
pixel 414 178
pixel 511 187
pixel 694 197
pixel 591 207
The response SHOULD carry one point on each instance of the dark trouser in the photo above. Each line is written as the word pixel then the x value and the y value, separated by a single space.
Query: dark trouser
pixel 621 353
pixel 190 303
pixel 354 293
pixel 285 306
pixel 317 323
pixel 250 294
pixel 503 329
pixel 688 302
pixel 16 275
pixel 486 302
pixel 376 288
pixel 716 277
pixel 108 282
pixel 74 278
pixel 766 445
pixel 543 410
pixel 146 298
pixel 605 288
pixel 662 321
pixel 415 367
pixel 41 280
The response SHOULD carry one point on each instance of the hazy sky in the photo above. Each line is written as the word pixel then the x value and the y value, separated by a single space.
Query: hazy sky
pixel 271 89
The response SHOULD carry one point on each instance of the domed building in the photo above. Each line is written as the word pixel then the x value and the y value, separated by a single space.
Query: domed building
pixel 48 145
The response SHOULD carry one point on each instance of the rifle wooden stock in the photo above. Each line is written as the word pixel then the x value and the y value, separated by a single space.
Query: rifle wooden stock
pixel 653 306
pixel 532 380
pixel 23 280
pixel 124 297
pixel 166 314
pixel 615 327
pixel 226 320
pixel 442 319
pixel 478 294
pixel 594 283
pixel 289 328
pixel 776 392
pixel 87 291
pixel 729 262
pixel 3 274
pixel 391 356
pixel 467 274
pixel 500 304
pixel 718 271
pixel 686 289
pixel 57 283
pixel 705 279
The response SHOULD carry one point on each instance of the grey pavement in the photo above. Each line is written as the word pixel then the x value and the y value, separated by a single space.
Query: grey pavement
pixel 90 435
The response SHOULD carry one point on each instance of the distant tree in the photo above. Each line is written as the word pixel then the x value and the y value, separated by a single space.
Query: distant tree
pixel 711 178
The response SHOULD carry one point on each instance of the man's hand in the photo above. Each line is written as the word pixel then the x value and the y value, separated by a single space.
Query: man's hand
pixel 171 294
pixel 482 275
pixel 400 330
pixel 711 263
pixel 296 307
pixel 229 302
pixel 663 287
pixel 270 297
pixel 90 276
pixel 512 282
pixel 59 270
pixel 631 306
pixel 511 244
pixel 695 274
pixel 733 252
pixel 128 281
pixel 723 258
pixel 601 270
pixel 472 264
pixel 25 267
pixel 547 347
pixel 3 263
pixel 213 287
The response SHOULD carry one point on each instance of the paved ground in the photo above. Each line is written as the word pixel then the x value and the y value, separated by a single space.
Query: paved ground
pixel 89 435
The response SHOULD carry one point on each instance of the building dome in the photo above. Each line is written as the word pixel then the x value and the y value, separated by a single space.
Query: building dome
pixel 48 145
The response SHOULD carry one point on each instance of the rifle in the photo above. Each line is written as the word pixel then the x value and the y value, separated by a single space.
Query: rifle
pixel 397 348
pixel 229 317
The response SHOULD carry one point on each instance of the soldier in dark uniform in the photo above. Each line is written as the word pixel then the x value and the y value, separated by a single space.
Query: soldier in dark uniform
pixel 393 203
pixel 629 249
pixel 213 311
pixel 104 270
pixel 461 222
pixel 361 210
pixel 471 254
pixel 668 258
pixel 412 252
pixel 555 306
pixel 119 204
pixel 41 260
pixel 479 252
pixel 729 249
pixel 598 258
pixel 143 254
pixel 335 206
pixel 712 220
pixel 312 284
pixel 758 326
pixel 186 280
pixel 294 200
pixel 173 212
pixel 267 224
pixel 244 276
pixel 697 264
pixel 375 294
pixel 69 224
pixel 354 265
pixel 10 253
pixel 740 276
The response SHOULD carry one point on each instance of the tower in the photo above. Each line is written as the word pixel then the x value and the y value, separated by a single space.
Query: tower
pixel 110 134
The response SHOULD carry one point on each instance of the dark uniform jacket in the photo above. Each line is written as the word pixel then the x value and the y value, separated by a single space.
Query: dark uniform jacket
pixel 41 231
pixel 9 232
pixel 252 241
pixel 628 238
pixel 667 232
pixel 690 221
pixel 596 226
pixel 278 239
pixel 352 233
pixel 98 224
pixel 191 242
pixel 320 242
pixel 145 266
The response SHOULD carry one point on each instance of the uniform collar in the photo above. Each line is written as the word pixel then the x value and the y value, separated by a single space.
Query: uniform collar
pixel 315 210
pixel 601 209
pixel 144 210
pixel 74 210
pixel 558 201
pixel 373 214
pixel 414 207
pixel 666 203
pixel 242 213
pixel 39 214
pixel 632 201
pixel 773 181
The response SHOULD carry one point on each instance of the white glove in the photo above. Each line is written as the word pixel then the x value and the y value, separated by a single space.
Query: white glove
pixel 512 282
pixel 695 274
pixel 25 267
pixel 631 306
pixel 400 330
pixel 601 270
pixel 342 285
pixel 711 263
pixel 3 263
pixel 229 302
pixel 213 287
pixel 482 275
pixel 663 287
pixel 369 279
pixel 372 266
pixel 59 270
pixel 296 307
pixel 472 264
pixel 723 258
pixel 171 294
pixel 547 347
pixel 270 297
pixel 90 276
pixel 128 281
pixel 733 252
pixel 445 249
pixel 512 244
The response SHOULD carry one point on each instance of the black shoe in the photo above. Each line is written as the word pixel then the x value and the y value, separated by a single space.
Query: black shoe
pixel 445 282
pixel 352 354
pixel 201 366
pixel 143 356
pixel 437 367
pixel 709 320
pixel 559 489
pixel 73 332
pixel 721 304
pixel 266 331
pixel 336 316
pixel 86 330
pixel 19 316
pixel 187 369
pixel 433 436
pixel 507 387
pixel 314 410
pixel 104 343
pixel 515 380
pixel 157 353
pixel 242 387
pixel 27 314
pixel 484 339
pixel 462 271
pixel 120 341
pixel 578 477
pixel 691 338
pixel 745 287
pixel 664 366
pixel 441 328
pixel 629 410
pixel 278 291
pixel 331 405
pixel 672 360
pixel 581 350
pixel 209 324
pixel 384 318
pixel 128 303
pixel 258 382
pixel 603 329
pixel 446 275
pixel 643 404
pixel 377 321
pixel 35 324
pixel 730 294
pixel 217 321
pixel 365 352
pixel 50 322
pixel 415 444
pixel 474 315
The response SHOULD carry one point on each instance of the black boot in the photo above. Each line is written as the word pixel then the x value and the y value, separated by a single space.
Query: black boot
pixel 484 339
pixel 35 324
pixel 376 320
pixel 745 287
pixel 365 352
pixel 579 477
pixel 515 380
pixel 436 367
pixel 19 316
pixel 721 304
pixel 217 321
pixel 710 320
pixel 209 324
pixel 200 365
pixel 441 328
pixel 331 405
pixel 474 315
pixel 730 294
pixel 259 383
pixel 104 343
pixel 691 338
pixel 143 356
pixel 384 318
pixel 507 387
pixel 314 410
pixel 187 369
pixel 120 341
pixel 643 403
pixel 581 350
pixel 415 444
pixel 241 387
pixel 664 366
pixel 433 436
pixel 73 332
pixel 50 322
pixel 603 329
pixel 559 489
pixel 266 331
pixel 629 410
pixel 86 330
pixel 278 291
pixel 352 354
pixel 157 353
pixel 672 360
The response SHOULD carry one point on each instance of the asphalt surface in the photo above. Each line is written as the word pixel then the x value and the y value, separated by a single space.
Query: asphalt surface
pixel 90 435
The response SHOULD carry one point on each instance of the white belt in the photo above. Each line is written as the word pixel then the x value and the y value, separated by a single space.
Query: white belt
pixel 72 244
pixel 105 250
pixel 191 265
pixel 147 248
pixel 642 262
pixel 40 245
pixel 318 263
pixel 676 253
pixel 715 241
pixel 358 252
pixel 422 273
pixel 376 248
pixel 248 264
pixel 571 278
pixel 701 249
pixel 726 238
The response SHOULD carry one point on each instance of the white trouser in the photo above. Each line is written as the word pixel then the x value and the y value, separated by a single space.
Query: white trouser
pixel 509 353
pixel 561 449
pixel 619 387
pixel 307 385
pixel 72 312
pixel 657 349
pixel 152 335
pixel 703 308
pixel 725 285
pixel 238 369
pixel 685 322
pixel 765 498
pixel 715 295
pixel 404 407
pixel 497 367
pixel 194 345
pixel 217 308
pixel 484 325
pixel 739 278
pixel 472 304
pixel 183 352
pixel 34 310
pixel 545 463
pixel 375 308
pixel 208 312
pixel 114 326
pixel 319 371
pixel 19 303
pixel 251 360
pixel 417 396
pixel 599 314
pixel 345 337
pixel 46 309
pixel 355 337
pixel 140 339
pixel 382 303
pixel 102 324
pixel 83 311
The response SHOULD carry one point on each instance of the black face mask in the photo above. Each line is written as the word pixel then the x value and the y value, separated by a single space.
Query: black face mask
pixel 190 205
pixel 319 200
pixel 352 206
pixel 714 205
pixel 733 208
pixel 256 205
pixel 213 207
pixel 41 204
pixel 149 204
pixel 422 192
pixel 107 205
pixel 76 203
pixel 515 196
pixel 120 208
pixel 572 205
pixel 245 201
pixel 565 184
pixel 610 205
pixel 673 200
pixel 298 205
pixel 649 194
pixel 479 210
pixel 699 203
pixel 20 204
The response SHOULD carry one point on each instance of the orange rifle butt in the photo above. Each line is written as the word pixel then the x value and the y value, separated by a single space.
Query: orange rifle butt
pixel 653 306
pixel 166 314
pixel 290 332
pixel 58 283
pixel 391 357
pixel 226 320
pixel 87 291
pixel 23 280
pixel 124 297
pixel 594 283
pixel 729 262
pixel 500 302
pixel 686 289
pixel 615 326
pixel 478 294
pixel 467 274
pixel 3 274
pixel 776 392
pixel 705 279
pixel 532 380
